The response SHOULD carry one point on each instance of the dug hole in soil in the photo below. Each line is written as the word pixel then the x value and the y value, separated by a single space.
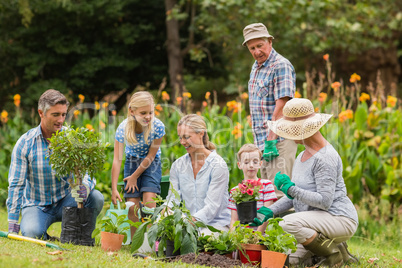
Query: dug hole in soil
pixel 207 260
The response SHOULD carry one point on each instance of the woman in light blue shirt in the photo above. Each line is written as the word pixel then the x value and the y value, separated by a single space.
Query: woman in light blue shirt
pixel 201 176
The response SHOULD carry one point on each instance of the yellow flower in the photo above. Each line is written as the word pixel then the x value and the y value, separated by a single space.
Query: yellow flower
pixel 237 130
pixel 89 126
pixel 316 109
pixel 165 96
pixel 76 113
pixel 4 116
pixel 157 113
pixel 234 106
pixel 204 104
pixel 354 78
pixel 364 97
pixel 336 86
pixel 297 94
pixel 158 108
pixel 178 100
pixel 343 116
pixel 198 113
pixel 391 101
pixel 187 95
pixel 244 96
pixel 326 57
pixel 81 97
pixel 249 120
pixel 114 112
pixel 102 125
pixel 322 97
pixel 17 97
pixel 207 95
pixel 97 106
pixel 105 104
pixel 17 103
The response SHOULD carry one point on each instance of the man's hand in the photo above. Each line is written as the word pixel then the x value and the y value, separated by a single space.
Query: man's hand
pixel 283 183
pixel 80 193
pixel 131 184
pixel 263 214
pixel 13 227
pixel 270 150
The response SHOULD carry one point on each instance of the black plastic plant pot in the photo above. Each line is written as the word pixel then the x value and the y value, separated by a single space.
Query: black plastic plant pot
pixel 170 249
pixel 77 226
pixel 247 211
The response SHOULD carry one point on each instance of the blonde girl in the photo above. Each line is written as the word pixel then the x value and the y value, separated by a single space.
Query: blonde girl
pixel 140 137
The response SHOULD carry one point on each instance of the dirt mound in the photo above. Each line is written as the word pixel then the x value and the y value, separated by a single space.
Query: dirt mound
pixel 207 260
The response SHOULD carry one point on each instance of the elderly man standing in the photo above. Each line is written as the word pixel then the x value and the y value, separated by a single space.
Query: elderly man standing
pixel 272 83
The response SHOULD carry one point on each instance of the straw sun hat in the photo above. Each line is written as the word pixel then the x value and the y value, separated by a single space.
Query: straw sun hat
pixel 299 120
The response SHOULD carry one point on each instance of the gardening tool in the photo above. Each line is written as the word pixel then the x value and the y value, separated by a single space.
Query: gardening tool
pixel 139 255
pixel 144 212
pixel 30 239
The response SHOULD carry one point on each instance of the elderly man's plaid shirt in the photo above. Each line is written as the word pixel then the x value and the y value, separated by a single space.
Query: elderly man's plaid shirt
pixel 273 80
pixel 31 179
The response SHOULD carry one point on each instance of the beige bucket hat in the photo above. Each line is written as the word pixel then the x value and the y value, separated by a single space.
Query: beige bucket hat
pixel 299 120
pixel 255 30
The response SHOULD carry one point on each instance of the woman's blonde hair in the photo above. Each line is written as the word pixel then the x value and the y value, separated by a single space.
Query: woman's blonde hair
pixel 197 123
pixel 139 99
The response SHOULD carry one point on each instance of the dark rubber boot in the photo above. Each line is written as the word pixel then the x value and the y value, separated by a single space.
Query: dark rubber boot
pixel 324 247
pixel 347 257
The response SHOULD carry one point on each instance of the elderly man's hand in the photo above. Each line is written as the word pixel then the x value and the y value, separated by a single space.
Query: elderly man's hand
pixel 80 193
pixel 270 150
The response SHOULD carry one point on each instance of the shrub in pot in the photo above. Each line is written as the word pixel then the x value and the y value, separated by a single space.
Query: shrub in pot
pixel 173 226
pixel 74 154
pixel 246 195
pixel 247 241
pixel 113 231
pixel 278 242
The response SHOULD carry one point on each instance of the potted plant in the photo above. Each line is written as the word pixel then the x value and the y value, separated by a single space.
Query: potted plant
pixel 113 231
pixel 247 241
pixel 73 154
pixel 278 242
pixel 173 227
pixel 221 244
pixel 246 195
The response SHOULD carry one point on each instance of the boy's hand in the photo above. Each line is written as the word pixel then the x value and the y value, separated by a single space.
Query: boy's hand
pixel 263 214
pixel 283 183
pixel 270 150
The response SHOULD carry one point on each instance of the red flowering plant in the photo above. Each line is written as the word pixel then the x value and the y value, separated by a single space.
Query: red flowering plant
pixel 247 190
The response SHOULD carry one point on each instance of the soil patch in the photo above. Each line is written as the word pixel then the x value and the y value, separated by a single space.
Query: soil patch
pixel 207 260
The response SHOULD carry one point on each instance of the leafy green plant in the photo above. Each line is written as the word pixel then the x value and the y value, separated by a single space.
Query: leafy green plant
pixel 107 224
pixel 174 224
pixel 276 239
pixel 220 244
pixel 244 235
pixel 74 153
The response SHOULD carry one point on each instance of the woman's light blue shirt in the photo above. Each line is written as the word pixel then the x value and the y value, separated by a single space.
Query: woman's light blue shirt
pixel 207 195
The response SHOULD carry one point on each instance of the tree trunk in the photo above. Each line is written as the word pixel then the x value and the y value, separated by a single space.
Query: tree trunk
pixel 174 51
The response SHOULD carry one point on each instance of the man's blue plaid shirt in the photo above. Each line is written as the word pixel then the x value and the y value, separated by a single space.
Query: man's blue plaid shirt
pixel 31 179
pixel 274 79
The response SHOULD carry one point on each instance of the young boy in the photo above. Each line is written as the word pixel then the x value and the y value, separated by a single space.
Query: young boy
pixel 249 160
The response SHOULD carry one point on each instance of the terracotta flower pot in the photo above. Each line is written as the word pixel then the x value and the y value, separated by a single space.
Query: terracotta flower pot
pixel 272 259
pixel 253 252
pixel 111 241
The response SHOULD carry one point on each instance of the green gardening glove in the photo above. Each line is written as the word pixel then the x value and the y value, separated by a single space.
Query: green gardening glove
pixel 283 183
pixel 270 150
pixel 263 214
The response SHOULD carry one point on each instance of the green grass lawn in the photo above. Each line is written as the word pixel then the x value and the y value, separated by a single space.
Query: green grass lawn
pixel 24 254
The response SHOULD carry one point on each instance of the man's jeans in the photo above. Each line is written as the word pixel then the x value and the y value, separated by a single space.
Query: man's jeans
pixel 35 221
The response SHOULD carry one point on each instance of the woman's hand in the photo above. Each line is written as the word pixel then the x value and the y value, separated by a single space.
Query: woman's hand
pixel 115 196
pixel 131 184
